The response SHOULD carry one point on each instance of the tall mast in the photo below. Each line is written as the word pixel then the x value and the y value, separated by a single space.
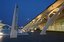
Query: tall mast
pixel 13 33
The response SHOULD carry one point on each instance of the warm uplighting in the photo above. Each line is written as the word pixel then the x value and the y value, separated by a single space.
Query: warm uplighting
pixel 39 16
pixel 33 20
pixel 34 28
pixel 54 11
pixel 23 30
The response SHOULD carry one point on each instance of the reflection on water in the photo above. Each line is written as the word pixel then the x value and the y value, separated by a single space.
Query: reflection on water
pixel 4 33
pixel 1 35
pixel 1 38
pixel 34 37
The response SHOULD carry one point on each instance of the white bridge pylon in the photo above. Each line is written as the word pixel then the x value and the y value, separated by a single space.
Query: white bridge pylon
pixel 51 20
pixel 13 33
pixel 14 27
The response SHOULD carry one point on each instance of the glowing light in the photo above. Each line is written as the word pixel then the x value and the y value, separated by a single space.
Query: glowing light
pixel 39 16
pixel 32 30
pixel 53 12
pixel 1 35
pixel 23 30
pixel 33 20
pixel 1 25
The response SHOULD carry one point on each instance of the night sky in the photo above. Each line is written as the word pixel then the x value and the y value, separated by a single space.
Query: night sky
pixel 27 10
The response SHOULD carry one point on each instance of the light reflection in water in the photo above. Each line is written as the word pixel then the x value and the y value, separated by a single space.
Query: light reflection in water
pixel 1 36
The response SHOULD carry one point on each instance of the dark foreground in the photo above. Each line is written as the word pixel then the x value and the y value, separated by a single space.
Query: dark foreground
pixel 35 37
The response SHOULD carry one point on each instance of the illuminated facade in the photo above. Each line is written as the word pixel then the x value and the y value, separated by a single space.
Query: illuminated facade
pixel 57 25
pixel 41 20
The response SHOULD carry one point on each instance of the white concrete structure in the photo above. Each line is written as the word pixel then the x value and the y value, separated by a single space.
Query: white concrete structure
pixel 13 33
pixel 51 19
